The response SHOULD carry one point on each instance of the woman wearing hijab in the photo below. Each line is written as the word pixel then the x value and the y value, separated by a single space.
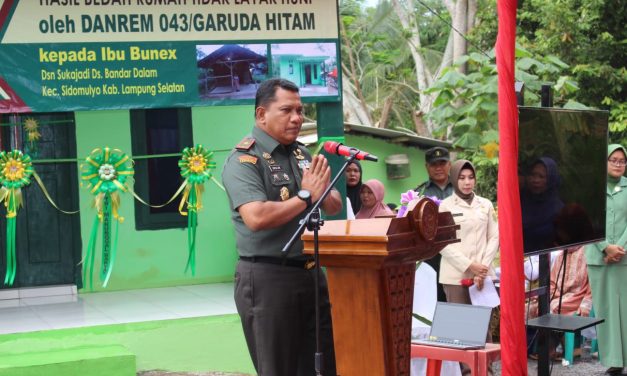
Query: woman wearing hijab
pixel 353 185
pixel 470 259
pixel 372 194
pixel 540 203
pixel 607 267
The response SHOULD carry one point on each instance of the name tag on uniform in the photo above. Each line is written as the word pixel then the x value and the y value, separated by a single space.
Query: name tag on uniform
pixel 276 168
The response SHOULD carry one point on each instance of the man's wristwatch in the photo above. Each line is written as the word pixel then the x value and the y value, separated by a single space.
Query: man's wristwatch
pixel 305 195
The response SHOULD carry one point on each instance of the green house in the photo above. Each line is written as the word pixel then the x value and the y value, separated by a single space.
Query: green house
pixel 300 69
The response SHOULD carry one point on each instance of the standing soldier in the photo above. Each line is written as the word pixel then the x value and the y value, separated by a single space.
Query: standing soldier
pixel 272 181
pixel 438 164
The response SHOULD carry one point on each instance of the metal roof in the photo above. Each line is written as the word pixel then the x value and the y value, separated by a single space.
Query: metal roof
pixel 308 135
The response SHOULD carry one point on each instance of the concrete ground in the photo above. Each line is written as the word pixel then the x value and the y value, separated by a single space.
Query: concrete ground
pixel 584 366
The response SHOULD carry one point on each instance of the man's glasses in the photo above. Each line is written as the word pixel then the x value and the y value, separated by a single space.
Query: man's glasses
pixel 618 162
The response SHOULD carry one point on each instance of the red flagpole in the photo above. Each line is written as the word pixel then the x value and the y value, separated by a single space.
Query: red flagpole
pixel 513 334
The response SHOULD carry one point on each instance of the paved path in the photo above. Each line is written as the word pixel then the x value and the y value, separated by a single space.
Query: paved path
pixel 580 368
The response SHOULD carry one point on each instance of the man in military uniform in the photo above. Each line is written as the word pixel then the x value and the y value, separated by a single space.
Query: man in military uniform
pixel 272 181
pixel 438 164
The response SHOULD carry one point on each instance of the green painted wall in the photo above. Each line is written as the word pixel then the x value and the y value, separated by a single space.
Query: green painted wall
pixel 382 148
pixel 149 259
pixel 299 64
pixel 284 68
pixel 158 258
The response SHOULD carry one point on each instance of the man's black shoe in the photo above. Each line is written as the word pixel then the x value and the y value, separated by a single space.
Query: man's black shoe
pixel 614 371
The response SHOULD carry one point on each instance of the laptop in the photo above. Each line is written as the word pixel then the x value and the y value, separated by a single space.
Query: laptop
pixel 459 326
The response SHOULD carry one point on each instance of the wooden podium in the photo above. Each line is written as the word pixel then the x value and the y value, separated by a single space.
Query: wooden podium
pixel 370 269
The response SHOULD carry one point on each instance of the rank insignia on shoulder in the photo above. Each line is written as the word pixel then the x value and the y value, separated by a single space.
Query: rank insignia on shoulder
pixel 248 159
pixel 245 144
pixel 285 193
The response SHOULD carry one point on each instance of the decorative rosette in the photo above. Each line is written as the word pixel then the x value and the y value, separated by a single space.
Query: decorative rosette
pixel 196 168
pixel 16 170
pixel 31 126
pixel 106 171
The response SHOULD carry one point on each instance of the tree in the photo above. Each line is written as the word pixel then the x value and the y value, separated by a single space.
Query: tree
pixel 380 79
pixel 589 35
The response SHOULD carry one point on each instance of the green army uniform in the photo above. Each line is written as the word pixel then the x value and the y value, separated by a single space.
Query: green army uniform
pixel 430 189
pixel 609 296
pixel 278 316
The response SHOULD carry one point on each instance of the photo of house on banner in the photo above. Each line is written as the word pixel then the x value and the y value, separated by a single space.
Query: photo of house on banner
pixel 312 66
pixel 230 71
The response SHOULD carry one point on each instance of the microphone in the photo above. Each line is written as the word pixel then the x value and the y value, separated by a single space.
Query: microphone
pixel 338 148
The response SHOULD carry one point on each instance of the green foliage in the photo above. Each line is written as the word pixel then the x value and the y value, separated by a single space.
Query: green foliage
pixel 618 121
pixel 487 173
pixel 590 36
pixel 466 108
pixel 384 67
pixel 466 104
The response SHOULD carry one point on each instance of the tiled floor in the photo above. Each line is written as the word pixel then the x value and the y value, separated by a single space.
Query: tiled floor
pixel 117 307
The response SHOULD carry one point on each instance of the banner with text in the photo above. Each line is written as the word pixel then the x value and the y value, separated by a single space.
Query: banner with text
pixel 65 55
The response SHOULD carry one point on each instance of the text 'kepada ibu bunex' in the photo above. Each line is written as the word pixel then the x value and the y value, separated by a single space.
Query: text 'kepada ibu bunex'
pixel 106 54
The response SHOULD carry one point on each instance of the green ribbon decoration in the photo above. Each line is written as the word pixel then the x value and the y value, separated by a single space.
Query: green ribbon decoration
pixel 196 167
pixel 106 171
pixel 16 168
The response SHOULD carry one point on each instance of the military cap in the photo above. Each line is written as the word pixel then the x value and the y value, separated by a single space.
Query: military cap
pixel 437 154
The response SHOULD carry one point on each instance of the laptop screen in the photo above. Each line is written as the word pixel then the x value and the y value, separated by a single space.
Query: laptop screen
pixel 462 322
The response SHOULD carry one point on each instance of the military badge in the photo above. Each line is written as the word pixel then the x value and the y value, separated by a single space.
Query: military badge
pixel 248 159
pixel 299 154
pixel 286 177
pixel 285 193
pixel 266 156
pixel 303 164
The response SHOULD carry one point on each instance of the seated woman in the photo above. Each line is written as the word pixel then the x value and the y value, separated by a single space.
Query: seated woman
pixel 575 295
pixel 372 193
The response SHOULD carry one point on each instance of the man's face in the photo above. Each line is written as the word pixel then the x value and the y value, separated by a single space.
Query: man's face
pixel 283 118
pixel 438 171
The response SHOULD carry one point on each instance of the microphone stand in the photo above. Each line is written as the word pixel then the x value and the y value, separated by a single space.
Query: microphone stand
pixel 313 222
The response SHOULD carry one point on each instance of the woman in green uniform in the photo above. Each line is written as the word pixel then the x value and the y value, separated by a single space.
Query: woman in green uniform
pixel 607 267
